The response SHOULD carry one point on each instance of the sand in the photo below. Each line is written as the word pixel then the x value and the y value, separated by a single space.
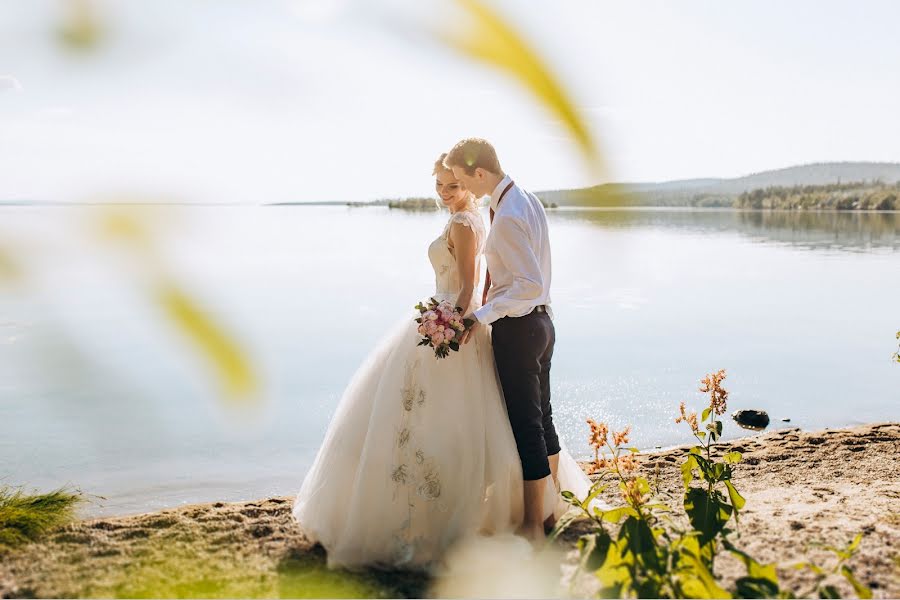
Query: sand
pixel 802 488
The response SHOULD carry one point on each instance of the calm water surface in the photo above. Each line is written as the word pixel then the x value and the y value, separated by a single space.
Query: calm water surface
pixel 98 390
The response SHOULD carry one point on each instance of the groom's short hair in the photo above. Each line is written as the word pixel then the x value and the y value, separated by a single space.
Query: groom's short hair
pixel 473 153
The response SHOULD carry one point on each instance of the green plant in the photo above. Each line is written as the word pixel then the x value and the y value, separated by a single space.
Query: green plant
pixel 24 517
pixel 652 555
pixel 709 507
pixel 644 558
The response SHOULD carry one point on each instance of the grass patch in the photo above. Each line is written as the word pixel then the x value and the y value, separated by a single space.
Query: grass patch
pixel 190 572
pixel 306 576
pixel 25 517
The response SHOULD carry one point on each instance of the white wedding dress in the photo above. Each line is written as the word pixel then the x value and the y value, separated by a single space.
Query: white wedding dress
pixel 420 454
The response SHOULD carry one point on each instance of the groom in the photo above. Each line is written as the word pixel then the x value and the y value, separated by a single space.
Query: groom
pixel 517 305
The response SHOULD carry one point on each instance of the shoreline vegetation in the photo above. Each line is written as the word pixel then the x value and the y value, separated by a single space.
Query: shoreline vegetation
pixel 846 196
pixel 844 186
pixel 854 196
pixel 26 517
pixel 819 186
pixel 804 491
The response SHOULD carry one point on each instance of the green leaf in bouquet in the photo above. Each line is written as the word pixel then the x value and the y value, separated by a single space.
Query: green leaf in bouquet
pixel 424 342
pixel 468 323
pixel 454 346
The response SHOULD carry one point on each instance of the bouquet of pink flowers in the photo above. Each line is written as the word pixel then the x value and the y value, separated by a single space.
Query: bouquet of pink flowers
pixel 441 325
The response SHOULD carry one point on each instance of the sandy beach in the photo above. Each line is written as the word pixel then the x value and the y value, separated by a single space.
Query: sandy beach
pixel 802 489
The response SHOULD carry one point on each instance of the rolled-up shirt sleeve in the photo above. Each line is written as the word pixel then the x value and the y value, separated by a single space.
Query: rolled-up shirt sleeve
pixel 512 243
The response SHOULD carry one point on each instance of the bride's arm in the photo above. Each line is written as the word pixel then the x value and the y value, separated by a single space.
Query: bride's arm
pixel 464 248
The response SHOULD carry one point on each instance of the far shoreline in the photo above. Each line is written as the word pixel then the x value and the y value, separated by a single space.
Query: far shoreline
pixel 606 208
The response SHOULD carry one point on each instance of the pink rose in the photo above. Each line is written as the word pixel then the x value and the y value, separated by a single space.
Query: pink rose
pixel 449 334
pixel 430 327
pixel 437 339
pixel 430 315
pixel 421 330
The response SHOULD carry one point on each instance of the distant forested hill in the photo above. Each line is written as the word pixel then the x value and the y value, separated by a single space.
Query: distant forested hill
pixel 837 196
pixel 853 177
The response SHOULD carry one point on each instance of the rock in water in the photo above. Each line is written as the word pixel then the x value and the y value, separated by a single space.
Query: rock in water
pixel 751 419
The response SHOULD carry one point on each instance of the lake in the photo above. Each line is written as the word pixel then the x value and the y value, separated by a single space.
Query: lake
pixel 99 390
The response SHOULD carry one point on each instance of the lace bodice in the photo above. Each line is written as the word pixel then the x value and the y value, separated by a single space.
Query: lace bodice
pixel 446 274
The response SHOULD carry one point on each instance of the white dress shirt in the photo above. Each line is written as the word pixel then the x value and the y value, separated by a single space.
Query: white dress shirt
pixel 517 251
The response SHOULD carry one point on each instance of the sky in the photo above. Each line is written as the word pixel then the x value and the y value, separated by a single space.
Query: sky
pixel 343 100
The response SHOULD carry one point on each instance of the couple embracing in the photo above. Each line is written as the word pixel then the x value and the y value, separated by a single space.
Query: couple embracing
pixel 424 453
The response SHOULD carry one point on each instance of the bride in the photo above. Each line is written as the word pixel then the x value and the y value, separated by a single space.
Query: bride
pixel 420 453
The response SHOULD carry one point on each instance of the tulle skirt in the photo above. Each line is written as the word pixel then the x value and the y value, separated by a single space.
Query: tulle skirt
pixel 418 456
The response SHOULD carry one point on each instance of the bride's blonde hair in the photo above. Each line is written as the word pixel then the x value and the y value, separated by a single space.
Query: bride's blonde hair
pixel 439 167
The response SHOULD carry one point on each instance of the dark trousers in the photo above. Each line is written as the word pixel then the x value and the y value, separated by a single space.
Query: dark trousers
pixel 523 347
